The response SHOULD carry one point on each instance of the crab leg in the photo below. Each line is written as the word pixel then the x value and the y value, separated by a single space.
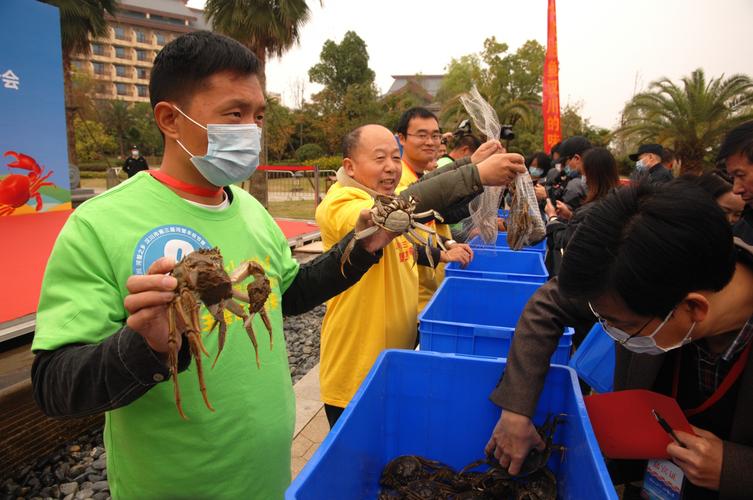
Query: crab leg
pixel 172 353
pixel 429 213
pixel 219 318
pixel 263 312
pixel 194 341
pixel 236 309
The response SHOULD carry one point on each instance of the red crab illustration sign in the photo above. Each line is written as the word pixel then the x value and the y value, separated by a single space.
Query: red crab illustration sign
pixel 34 160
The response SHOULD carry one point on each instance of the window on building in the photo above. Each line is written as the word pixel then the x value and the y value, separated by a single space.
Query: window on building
pixel 99 68
pixel 132 13
pixel 120 33
pixel 102 88
pixel 120 52
pixel 78 65
pixel 142 55
pixel 98 49
pixel 140 36
pixel 142 73
pixel 120 70
pixel 142 90
pixel 121 89
pixel 165 19
pixel 160 38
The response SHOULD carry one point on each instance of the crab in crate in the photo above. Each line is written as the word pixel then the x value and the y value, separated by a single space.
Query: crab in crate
pixel 202 279
pixel 413 477
pixel 397 215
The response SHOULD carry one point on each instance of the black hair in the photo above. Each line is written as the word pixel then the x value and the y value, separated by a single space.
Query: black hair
pixel 600 169
pixel 711 182
pixel 543 161
pixel 350 142
pixel 469 140
pixel 667 155
pixel 651 245
pixel 555 149
pixel 738 140
pixel 184 64
pixel 415 112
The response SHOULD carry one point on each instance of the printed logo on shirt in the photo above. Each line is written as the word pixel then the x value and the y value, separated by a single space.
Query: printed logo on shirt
pixel 405 250
pixel 166 241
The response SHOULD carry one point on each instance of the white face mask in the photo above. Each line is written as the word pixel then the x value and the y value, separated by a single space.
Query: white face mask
pixel 643 344
pixel 135 153
pixel 232 152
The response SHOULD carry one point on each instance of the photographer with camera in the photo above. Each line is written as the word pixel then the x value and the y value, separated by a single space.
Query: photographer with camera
pixel 464 144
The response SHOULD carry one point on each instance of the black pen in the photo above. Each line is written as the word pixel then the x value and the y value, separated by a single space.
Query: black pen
pixel 667 428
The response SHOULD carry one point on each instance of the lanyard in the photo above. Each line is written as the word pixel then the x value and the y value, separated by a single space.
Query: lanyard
pixel 724 387
pixel 184 186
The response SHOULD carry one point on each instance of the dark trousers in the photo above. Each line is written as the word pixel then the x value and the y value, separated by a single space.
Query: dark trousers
pixel 333 414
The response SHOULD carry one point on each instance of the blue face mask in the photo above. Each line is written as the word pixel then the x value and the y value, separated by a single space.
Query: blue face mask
pixel 568 170
pixel 536 171
pixel 640 166
pixel 232 152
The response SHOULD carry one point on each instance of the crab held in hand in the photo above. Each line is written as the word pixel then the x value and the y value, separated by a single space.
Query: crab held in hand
pixel 202 279
pixel 397 215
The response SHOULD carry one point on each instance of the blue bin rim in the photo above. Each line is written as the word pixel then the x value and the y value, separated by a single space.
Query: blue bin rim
pixel 455 266
pixel 389 353
pixel 451 279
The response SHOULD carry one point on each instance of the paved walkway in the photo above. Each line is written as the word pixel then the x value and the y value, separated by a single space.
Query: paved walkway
pixel 311 426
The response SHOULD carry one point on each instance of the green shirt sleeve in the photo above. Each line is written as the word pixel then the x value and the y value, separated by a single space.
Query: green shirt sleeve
pixel 80 300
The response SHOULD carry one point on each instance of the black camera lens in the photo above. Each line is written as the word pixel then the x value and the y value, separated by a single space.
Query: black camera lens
pixel 506 133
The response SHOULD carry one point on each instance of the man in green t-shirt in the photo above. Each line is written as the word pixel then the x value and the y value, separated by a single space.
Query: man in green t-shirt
pixel 101 337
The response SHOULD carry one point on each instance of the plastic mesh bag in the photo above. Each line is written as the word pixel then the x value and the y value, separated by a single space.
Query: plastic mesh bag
pixel 524 225
pixel 483 208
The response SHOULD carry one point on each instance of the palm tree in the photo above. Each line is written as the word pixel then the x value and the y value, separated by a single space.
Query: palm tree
pixel 80 21
pixel 267 28
pixel 691 117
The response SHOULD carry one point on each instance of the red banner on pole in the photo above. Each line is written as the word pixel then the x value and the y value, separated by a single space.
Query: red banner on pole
pixel 550 104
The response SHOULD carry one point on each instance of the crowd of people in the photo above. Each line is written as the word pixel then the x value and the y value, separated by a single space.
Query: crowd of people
pixel 653 261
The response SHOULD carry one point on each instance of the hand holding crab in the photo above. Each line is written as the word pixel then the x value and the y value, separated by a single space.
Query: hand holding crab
pixel 163 309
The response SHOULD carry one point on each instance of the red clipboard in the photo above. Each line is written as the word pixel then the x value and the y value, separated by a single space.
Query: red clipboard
pixel 626 428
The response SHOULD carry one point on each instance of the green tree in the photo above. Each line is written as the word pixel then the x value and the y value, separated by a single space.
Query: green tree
pixel 92 140
pixel 279 125
pixel 342 65
pixel 510 82
pixel 690 117
pixel 349 97
pixel 117 117
pixel 80 21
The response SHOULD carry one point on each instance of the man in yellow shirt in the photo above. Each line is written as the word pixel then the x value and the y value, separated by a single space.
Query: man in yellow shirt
pixel 418 132
pixel 379 312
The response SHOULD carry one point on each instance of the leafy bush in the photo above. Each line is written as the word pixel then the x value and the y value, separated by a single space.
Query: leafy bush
pixel 309 152
pixel 327 162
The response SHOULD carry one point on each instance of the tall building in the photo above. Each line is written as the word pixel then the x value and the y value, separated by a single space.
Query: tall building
pixel 121 61
pixel 425 87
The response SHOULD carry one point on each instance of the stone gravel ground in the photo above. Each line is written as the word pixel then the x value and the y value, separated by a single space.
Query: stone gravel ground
pixel 77 471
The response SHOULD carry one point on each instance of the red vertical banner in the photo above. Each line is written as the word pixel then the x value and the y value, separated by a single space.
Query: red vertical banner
pixel 550 104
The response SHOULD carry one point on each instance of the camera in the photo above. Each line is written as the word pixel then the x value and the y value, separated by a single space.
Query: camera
pixel 506 133
pixel 463 129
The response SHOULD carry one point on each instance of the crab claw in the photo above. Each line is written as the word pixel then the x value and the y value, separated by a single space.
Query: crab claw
pixel 23 161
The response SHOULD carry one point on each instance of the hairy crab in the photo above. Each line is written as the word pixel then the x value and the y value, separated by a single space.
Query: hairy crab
pixel 397 215
pixel 413 477
pixel 202 280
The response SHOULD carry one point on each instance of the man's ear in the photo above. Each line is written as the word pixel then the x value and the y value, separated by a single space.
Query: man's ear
pixel 401 139
pixel 349 167
pixel 696 305
pixel 165 116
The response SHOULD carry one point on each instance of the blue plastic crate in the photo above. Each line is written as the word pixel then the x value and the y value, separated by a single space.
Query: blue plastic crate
pixel 478 317
pixel 502 264
pixel 477 242
pixel 594 360
pixel 437 406
pixel 503 213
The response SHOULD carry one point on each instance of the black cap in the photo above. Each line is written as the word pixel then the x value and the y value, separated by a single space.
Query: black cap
pixel 575 145
pixel 647 148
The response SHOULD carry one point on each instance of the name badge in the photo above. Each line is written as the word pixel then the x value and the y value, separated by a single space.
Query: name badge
pixel 663 480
